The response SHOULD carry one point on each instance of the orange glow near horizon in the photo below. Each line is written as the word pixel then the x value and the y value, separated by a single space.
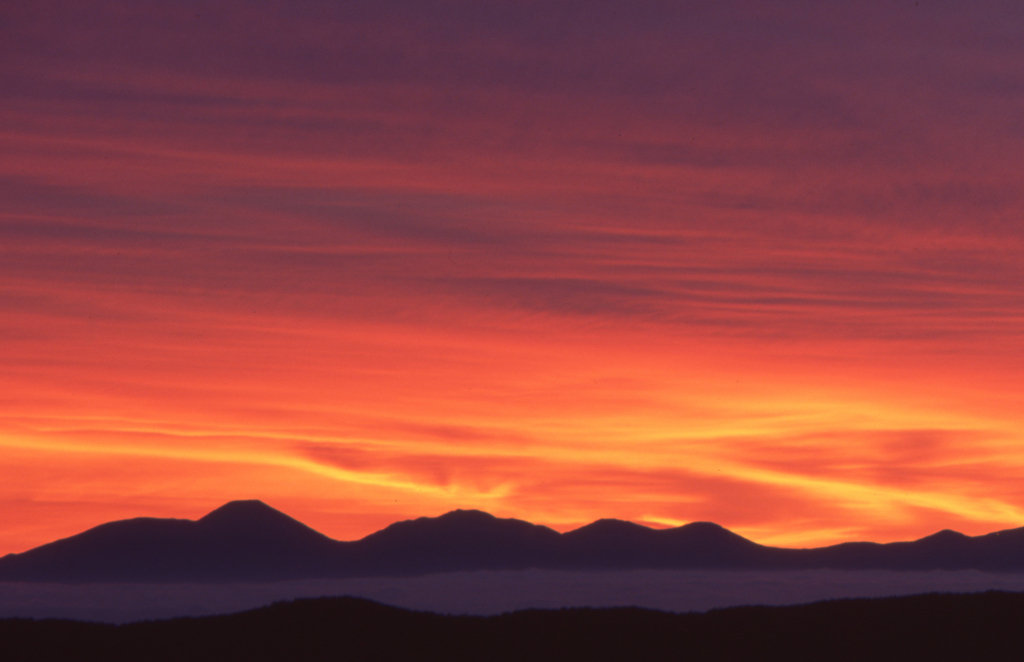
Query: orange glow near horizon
pixel 457 278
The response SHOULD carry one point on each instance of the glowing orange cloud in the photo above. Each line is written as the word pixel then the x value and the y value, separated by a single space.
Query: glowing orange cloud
pixel 631 272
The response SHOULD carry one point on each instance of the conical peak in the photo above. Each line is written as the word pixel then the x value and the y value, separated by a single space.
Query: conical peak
pixel 946 535
pixel 255 518
pixel 247 509
pixel 707 533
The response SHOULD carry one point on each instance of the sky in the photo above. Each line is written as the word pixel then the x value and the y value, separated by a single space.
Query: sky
pixel 760 264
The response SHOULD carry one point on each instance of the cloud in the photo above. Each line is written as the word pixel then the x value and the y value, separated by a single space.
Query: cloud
pixel 562 258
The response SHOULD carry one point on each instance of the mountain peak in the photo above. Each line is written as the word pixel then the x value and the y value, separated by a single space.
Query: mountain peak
pixel 708 530
pixel 704 526
pixel 466 522
pixel 614 526
pixel 254 518
pixel 467 516
pixel 242 509
pixel 947 536
pixel 251 541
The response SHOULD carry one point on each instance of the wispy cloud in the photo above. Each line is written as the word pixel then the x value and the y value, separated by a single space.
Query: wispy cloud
pixel 759 265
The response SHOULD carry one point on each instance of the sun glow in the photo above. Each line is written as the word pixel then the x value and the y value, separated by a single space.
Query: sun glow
pixel 369 272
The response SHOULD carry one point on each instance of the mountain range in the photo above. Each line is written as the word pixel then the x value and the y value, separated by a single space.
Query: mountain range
pixel 248 541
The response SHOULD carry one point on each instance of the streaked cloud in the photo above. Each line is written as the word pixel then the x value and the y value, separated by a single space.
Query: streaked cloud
pixel 658 261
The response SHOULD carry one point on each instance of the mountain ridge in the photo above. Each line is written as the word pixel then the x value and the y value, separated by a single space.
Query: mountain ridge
pixel 931 627
pixel 251 541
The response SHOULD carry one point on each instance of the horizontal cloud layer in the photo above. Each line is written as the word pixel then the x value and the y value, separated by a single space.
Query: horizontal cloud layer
pixel 656 261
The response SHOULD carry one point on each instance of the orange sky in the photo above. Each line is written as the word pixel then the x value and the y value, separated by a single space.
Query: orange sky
pixel 662 262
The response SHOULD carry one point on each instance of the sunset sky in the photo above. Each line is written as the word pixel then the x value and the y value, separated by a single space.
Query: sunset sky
pixel 756 263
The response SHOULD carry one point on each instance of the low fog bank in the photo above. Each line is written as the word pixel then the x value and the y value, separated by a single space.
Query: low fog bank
pixel 486 593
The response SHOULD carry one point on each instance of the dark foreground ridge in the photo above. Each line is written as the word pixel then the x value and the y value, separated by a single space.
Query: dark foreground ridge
pixel 925 627
pixel 248 541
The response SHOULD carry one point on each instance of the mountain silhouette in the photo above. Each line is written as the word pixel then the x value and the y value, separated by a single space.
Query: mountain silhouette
pixel 256 519
pixel 457 541
pixel 613 544
pixel 240 541
pixel 250 541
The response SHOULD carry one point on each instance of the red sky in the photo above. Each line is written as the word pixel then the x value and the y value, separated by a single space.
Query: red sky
pixel 754 263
